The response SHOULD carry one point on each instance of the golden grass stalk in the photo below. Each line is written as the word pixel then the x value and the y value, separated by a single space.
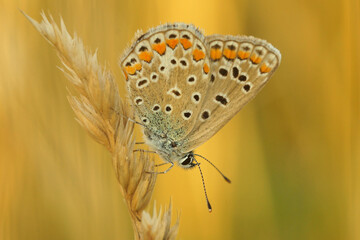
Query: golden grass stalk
pixel 96 102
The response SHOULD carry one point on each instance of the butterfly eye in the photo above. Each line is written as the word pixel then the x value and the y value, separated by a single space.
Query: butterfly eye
pixel 187 161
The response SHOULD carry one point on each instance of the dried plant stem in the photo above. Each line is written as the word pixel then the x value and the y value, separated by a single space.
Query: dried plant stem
pixel 96 102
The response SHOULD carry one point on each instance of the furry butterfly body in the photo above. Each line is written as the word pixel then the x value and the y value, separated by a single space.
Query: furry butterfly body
pixel 185 86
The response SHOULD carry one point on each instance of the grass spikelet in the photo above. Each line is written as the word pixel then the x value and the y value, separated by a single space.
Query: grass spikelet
pixel 158 226
pixel 97 105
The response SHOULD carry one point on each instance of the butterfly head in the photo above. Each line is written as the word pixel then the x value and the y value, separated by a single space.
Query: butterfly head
pixel 187 161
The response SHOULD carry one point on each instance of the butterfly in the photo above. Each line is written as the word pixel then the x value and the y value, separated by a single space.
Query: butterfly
pixel 185 86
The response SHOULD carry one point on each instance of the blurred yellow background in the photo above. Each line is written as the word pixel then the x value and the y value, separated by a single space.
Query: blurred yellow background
pixel 292 154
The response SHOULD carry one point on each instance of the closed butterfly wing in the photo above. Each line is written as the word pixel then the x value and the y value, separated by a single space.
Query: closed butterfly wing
pixel 239 68
pixel 167 74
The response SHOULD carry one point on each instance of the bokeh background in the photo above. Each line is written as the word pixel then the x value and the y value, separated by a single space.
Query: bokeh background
pixel 292 153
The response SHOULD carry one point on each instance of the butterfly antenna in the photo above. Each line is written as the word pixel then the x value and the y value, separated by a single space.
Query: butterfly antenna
pixel 202 178
pixel 226 179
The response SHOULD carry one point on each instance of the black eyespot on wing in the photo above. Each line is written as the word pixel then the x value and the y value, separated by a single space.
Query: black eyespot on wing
pixel 196 97
pixel 143 48
pixel 128 64
pixel 156 107
pixel 247 87
pixel 191 79
pixel 235 72
pixel 186 36
pixel 231 47
pixel 157 40
pixel 223 72
pixel 176 92
pixel 183 62
pixel 242 78
pixel 133 60
pixel 138 101
pixel 212 79
pixel 205 115
pixel 172 36
pixel 142 82
pixel 162 68
pixel 221 100
pixel 173 61
pixel 168 108
pixel 216 46
pixel 187 114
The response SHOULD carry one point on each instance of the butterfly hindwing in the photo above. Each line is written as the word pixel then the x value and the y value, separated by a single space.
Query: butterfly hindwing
pixel 239 68
pixel 167 72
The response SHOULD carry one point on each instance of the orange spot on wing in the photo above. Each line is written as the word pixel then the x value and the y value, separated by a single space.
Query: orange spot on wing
pixel 255 59
pixel 198 54
pixel 138 66
pixel 186 43
pixel 130 70
pixel 229 54
pixel 146 56
pixel 264 68
pixel 206 68
pixel 126 76
pixel 160 48
pixel 215 54
pixel 172 42
pixel 243 55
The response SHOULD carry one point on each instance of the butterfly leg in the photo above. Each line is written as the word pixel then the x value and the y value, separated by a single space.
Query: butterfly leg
pixel 172 164
pixel 161 164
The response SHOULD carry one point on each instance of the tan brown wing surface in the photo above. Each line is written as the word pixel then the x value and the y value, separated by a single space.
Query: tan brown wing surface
pixel 239 68
pixel 167 74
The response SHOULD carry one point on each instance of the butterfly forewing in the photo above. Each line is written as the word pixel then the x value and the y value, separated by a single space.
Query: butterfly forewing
pixel 167 72
pixel 239 68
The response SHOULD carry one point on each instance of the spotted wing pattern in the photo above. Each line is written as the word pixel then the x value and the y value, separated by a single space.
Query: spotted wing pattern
pixel 239 68
pixel 167 74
